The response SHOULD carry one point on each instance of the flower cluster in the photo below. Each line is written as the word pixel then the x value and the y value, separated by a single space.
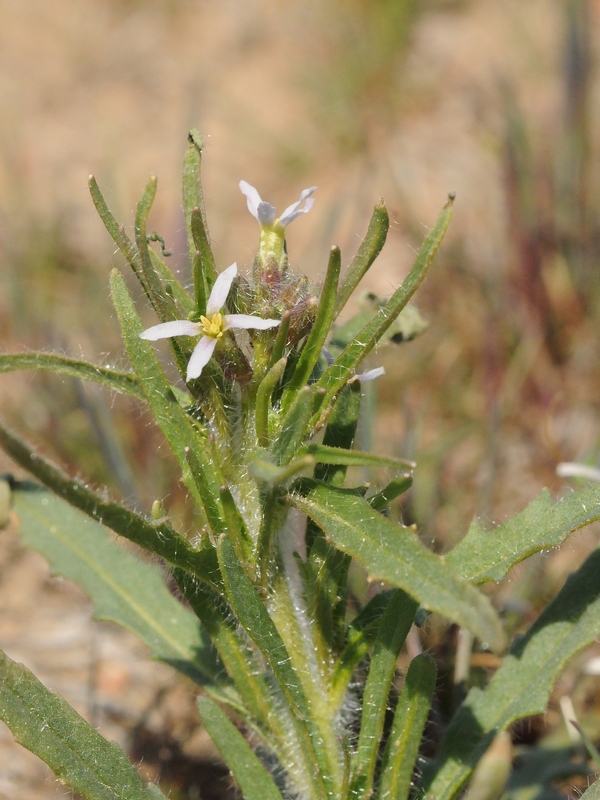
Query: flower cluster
pixel 214 323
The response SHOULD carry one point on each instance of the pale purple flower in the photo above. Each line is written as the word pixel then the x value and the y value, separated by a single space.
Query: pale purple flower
pixel 265 213
pixel 211 327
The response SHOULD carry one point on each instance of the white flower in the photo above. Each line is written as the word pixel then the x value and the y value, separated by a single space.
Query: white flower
pixel 265 213
pixel 272 228
pixel 211 327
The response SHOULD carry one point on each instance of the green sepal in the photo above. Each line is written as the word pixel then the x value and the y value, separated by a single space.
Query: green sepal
pixel 367 253
pixel 311 351
pixel 402 748
pixel 340 371
pixel 247 769
pixel 393 629
pixel 122 382
pixel 79 756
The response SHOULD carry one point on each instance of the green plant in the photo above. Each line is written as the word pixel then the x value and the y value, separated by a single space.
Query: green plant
pixel 264 433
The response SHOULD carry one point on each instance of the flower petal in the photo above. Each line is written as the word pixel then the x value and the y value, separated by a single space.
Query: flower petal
pixel 371 374
pixel 220 290
pixel 266 213
pixel 252 197
pixel 179 327
pixel 294 211
pixel 200 357
pixel 248 321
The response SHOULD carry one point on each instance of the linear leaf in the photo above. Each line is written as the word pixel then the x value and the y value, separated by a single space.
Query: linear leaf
pixel 253 779
pixel 255 619
pixel 367 253
pixel 159 538
pixel 80 757
pixel 338 373
pixel 392 553
pixel 123 382
pixel 522 685
pixel 172 285
pixel 315 340
pixel 122 588
pixel 403 744
pixel 323 454
pixel 393 629
pixel 488 555
pixel 179 430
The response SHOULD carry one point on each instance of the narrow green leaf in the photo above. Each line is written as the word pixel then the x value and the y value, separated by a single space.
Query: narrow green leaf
pixel 232 645
pixel 270 474
pixel 122 588
pixel 79 756
pixel 340 431
pixel 522 685
pixel 159 538
pixel 205 269
pixel 179 430
pixel 315 340
pixel 360 636
pixel 255 619
pixel 402 748
pixel 394 489
pixel 171 284
pixel 253 616
pixel 263 400
pixel 294 425
pixel 192 185
pixel 367 253
pixel 123 382
pixel 338 373
pixel 162 303
pixel 323 454
pixel 253 779
pixel 392 553
pixel 393 629
pixel 488 555
pixel 118 235
pixel 281 339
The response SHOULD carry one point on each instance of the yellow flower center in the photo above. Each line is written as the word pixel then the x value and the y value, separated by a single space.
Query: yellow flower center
pixel 212 327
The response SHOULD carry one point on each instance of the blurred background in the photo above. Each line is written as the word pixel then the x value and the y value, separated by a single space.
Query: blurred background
pixel 405 99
